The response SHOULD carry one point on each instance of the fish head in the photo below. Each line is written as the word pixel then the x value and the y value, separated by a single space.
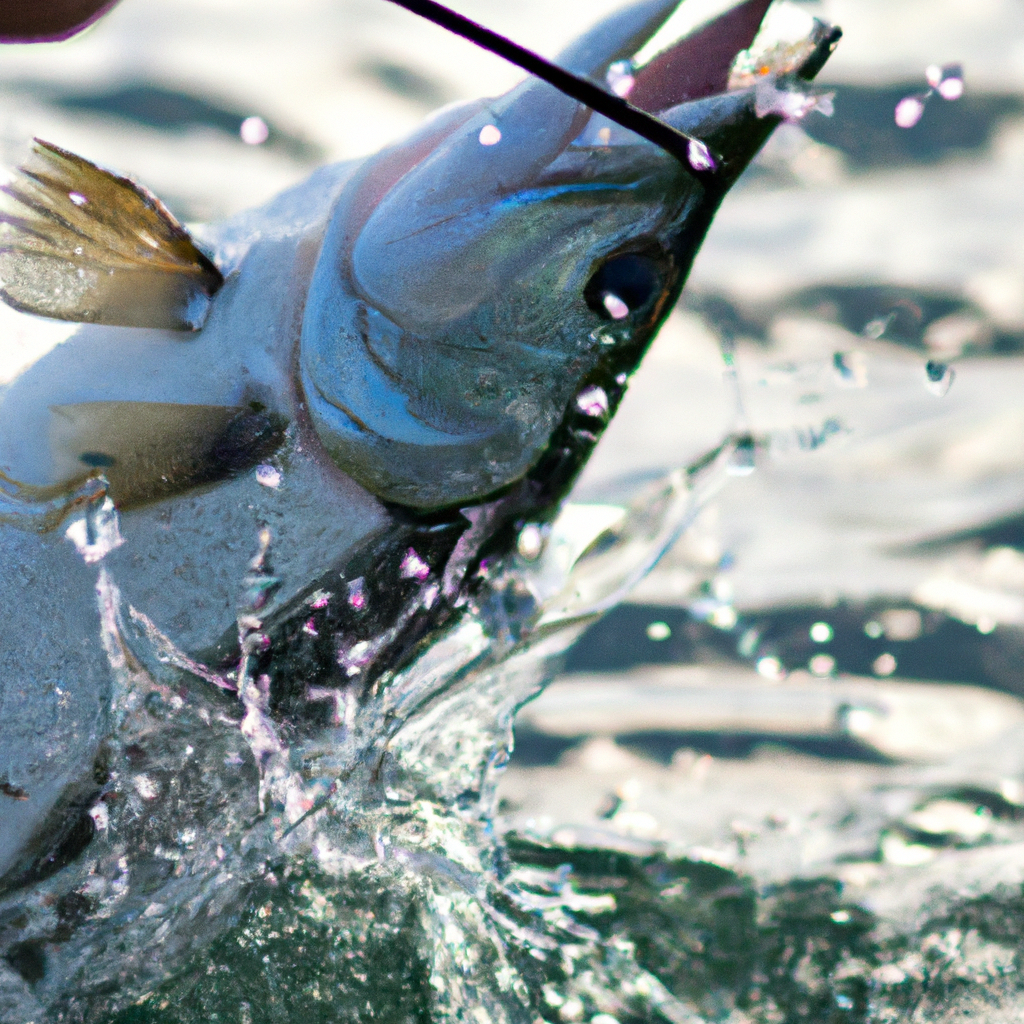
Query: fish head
pixel 475 278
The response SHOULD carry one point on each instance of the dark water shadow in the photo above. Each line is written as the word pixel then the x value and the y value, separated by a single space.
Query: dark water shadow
pixel 1005 532
pixel 863 127
pixel 534 749
pixel 886 313
pixel 148 105
pixel 927 645
pixel 404 81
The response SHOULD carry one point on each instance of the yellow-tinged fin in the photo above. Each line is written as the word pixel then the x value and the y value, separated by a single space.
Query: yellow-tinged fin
pixel 81 243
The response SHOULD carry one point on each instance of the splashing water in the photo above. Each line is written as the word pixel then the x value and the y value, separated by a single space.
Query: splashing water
pixel 310 869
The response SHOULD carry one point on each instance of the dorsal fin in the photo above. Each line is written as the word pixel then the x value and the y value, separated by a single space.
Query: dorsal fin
pixel 80 243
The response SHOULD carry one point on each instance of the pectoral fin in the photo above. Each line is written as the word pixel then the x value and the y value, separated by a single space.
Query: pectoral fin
pixel 80 243
pixel 150 450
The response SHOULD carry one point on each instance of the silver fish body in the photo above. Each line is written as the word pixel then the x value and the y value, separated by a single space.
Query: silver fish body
pixel 260 523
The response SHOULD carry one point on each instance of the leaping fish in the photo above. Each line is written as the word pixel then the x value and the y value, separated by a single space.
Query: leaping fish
pixel 285 455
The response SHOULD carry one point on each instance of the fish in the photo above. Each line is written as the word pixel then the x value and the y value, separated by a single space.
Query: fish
pixel 300 477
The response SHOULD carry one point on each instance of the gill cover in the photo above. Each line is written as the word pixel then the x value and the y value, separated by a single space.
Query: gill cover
pixel 472 278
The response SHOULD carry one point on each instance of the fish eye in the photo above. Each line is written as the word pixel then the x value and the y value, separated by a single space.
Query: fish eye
pixel 623 284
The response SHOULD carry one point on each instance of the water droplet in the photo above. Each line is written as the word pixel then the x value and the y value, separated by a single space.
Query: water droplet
pixel 592 401
pixel 699 156
pixel 951 89
pixel 947 80
pixel 901 624
pixel 851 368
pixel 874 329
pixel 1012 791
pixel 909 110
pixel 77 198
pixel 884 665
pixel 97 533
pixel 413 567
pixel 986 624
pixel 658 631
pixel 840 916
pixel 822 665
pixel 531 542
pixel 821 633
pixel 254 131
pixel 357 594
pixel 743 460
pixel 268 476
pixel 617 309
pixel 938 377
pixel 724 617
pixel 771 668
pixel 620 78
pixel 748 643
pixel 490 135
pixel 621 379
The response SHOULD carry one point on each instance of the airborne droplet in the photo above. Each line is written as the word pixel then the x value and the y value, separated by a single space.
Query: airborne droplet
pixel 254 131
pixel 530 542
pixel 884 665
pixel 909 111
pixel 947 80
pixel 658 631
pixel 851 369
pixel 821 632
pixel 822 665
pixel 938 377
pixel 743 460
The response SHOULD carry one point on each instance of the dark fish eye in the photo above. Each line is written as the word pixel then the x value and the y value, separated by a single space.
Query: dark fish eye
pixel 624 284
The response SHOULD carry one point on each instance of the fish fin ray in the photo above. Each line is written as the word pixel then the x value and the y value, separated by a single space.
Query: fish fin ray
pixel 80 243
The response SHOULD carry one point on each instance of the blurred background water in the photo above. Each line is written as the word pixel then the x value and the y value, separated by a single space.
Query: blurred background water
pixel 824 678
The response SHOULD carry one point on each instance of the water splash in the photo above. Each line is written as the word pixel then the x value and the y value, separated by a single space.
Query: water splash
pixel 225 843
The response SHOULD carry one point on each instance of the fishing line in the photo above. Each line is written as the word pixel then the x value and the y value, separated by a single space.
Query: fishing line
pixel 615 108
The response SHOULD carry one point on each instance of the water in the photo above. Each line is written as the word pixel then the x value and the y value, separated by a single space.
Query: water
pixel 839 844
